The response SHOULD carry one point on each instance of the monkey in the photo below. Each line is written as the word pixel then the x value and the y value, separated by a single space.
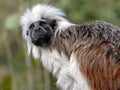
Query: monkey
pixel 81 57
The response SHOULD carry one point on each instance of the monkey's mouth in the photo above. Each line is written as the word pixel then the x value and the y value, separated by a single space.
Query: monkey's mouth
pixel 39 39
pixel 37 36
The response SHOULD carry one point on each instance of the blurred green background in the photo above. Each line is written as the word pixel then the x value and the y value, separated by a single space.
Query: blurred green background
pixel 20 72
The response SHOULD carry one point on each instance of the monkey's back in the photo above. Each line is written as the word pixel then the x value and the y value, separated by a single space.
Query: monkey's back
pixel 97 50
pixel 100 32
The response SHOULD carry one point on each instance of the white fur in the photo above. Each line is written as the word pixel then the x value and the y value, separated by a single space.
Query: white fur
pixel 66 71
pixel 81 82
pixel 68 74
pixel 71 78
pixel 53 61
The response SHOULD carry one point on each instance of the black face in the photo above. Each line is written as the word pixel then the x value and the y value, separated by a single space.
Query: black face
pixel 41 32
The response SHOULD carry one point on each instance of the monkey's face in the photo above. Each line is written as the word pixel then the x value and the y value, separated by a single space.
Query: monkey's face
pixel 41 32
pixel 39 24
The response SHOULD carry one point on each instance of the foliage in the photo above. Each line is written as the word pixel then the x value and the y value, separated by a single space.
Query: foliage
pixel 12 21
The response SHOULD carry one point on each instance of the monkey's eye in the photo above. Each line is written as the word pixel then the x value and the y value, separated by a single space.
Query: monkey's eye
pixel 31 26
pixel 42 23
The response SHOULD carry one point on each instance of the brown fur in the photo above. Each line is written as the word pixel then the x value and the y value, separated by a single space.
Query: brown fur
pixel 96 47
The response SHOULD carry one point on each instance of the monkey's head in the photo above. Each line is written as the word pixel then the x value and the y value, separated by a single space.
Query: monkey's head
pixel 41 31
pixel 40 23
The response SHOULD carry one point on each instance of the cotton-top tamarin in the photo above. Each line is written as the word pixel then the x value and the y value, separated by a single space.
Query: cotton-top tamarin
pixel 81 57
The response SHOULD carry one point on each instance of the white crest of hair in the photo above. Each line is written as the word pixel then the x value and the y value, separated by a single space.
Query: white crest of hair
pixel 43 11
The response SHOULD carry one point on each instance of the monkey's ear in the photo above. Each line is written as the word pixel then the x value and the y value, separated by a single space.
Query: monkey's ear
pixel 53 24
